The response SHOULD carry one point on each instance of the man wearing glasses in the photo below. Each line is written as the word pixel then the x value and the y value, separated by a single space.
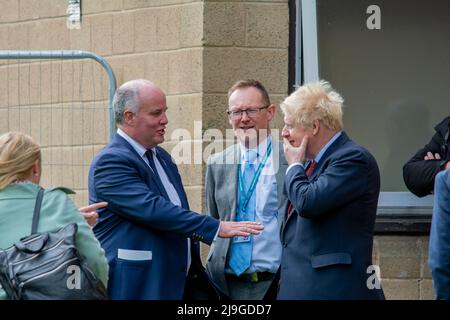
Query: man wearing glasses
pixel 246 180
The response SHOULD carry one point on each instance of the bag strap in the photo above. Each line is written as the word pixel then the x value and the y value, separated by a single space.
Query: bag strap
pixel 37 210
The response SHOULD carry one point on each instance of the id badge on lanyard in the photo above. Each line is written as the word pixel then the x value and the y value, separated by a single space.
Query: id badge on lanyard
pixel 245 198
pixel 241 239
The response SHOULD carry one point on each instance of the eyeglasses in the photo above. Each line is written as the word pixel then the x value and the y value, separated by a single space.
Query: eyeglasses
pixel 251 113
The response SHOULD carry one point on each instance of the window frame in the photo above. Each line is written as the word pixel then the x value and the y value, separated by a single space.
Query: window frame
pixel 398 212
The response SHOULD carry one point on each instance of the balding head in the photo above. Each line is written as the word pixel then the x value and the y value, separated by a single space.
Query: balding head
pixel 140 108
pixel 128 97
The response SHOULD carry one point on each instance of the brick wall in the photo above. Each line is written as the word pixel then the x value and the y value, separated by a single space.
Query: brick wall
pixel 403 262
pixel 160 40
pixel 242 40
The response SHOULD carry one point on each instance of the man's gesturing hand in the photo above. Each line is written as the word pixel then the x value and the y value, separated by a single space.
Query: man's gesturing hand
pixel 89 213
pixel 229 229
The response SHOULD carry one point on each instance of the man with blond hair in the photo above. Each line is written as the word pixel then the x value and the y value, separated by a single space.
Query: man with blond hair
pixel 332 185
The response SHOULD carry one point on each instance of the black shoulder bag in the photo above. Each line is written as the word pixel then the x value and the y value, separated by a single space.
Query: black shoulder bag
pixel 47 266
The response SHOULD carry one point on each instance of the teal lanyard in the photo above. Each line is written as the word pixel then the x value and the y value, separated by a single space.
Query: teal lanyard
pixel 243 205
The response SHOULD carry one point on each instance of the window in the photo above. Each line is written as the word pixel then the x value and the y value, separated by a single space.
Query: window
pixel 395 80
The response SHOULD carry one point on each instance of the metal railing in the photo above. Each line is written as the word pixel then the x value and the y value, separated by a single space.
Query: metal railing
pixel 72 54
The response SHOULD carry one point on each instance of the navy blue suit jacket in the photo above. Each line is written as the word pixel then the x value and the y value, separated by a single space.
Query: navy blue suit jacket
pixel 141 217
pixel 327 240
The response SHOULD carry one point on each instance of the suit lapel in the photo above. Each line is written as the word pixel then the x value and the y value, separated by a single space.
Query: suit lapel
pixel 335 146
pixel 280 176
pixel 319 167
pixel 231 178
pixel 283 220
pixel 124 143
pixel 174 179
pixel 159 182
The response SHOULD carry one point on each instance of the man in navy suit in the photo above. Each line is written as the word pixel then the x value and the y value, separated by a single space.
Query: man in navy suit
pixel 148 232
pixel 333 186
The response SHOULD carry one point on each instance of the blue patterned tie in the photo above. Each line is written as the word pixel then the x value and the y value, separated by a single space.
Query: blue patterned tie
pixel 240 255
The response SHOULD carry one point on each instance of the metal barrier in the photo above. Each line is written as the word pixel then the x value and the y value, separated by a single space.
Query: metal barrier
pixel 71 54
pixel 59 98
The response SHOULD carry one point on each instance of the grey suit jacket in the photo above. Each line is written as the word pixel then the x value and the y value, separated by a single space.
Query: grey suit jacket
pixel 221 193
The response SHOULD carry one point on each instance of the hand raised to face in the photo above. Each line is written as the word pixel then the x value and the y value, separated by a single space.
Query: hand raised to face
pixel 295 154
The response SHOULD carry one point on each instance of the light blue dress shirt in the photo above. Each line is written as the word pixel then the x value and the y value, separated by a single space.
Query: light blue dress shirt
pixel 266 252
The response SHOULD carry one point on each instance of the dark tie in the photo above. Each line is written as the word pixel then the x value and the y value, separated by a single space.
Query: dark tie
pixel 308 173
pixel 151 161
pixel 311 168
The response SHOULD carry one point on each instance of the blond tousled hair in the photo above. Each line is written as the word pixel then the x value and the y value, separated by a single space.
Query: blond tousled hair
pixel 18 153
pixel 315 101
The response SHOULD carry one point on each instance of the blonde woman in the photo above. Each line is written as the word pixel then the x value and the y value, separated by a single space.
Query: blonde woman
pixel 20 173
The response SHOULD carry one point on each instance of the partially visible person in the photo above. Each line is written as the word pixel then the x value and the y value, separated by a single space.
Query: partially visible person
pixel 439 246
pixel 150 236
pixel 420 171
pixel 20 173
pixel 332 185
pixel 253 169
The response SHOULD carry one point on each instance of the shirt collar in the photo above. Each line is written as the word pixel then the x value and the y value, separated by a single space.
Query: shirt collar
pixel 140 149
pixel 325 147
pixel 261 148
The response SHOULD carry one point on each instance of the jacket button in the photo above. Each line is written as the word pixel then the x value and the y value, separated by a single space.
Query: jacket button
pixel 284 245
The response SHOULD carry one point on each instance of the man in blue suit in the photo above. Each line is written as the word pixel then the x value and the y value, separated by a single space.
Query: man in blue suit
pixel 148 232
pixel 333 186
pixel 439 246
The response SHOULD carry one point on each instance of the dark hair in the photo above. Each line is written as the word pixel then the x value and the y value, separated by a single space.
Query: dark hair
pixel 242 84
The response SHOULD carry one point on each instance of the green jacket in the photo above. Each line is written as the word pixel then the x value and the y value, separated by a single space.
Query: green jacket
pixel 16 211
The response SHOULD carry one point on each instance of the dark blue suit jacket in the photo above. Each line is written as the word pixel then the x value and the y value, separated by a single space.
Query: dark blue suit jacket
pixel 327 241
pixel 141 217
